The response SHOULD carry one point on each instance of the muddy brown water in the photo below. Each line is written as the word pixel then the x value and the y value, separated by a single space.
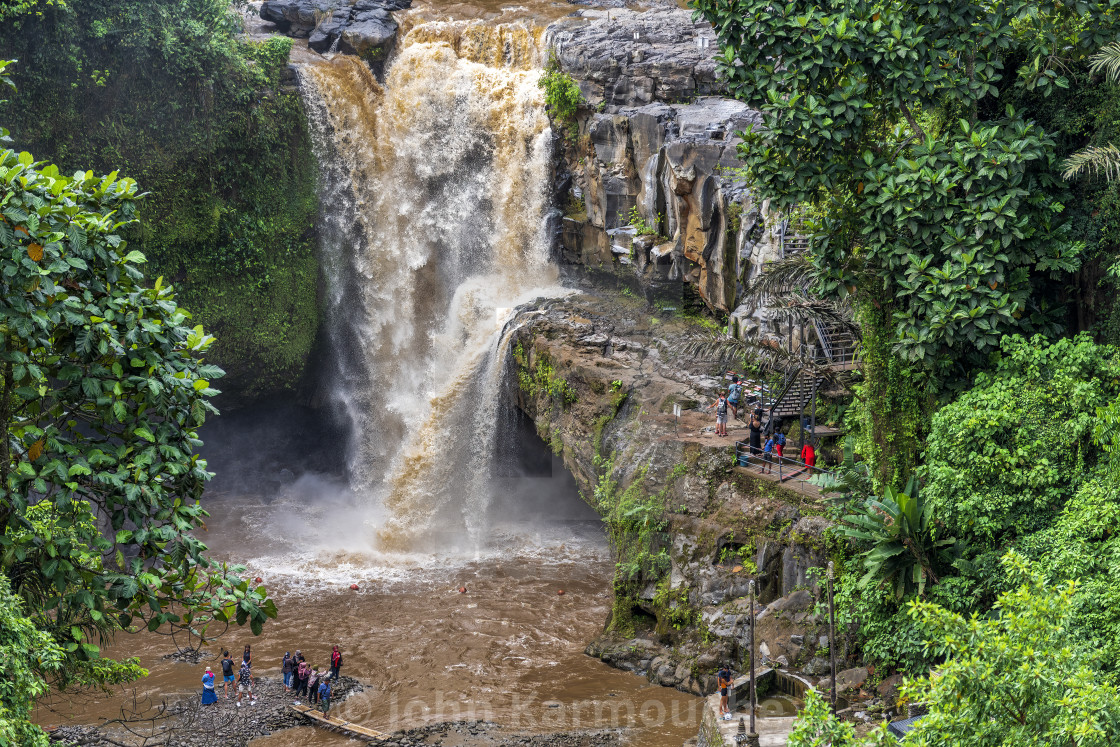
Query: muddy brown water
pixel 509 650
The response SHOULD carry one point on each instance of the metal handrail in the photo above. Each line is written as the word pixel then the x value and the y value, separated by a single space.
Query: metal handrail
pixel 788 467
pixel 831 354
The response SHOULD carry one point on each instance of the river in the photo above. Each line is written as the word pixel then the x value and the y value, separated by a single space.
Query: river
pixel 509 649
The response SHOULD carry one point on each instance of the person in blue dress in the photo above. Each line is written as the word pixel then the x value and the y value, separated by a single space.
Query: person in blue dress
pixel 209 695
pixel 325 696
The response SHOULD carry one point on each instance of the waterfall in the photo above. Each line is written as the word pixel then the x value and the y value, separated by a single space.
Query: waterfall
pixel 433 191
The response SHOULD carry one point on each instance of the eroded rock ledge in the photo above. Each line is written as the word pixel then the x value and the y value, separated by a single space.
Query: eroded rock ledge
pixel 649 181
pixel 599 380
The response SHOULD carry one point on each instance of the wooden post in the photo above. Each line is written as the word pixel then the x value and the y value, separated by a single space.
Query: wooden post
pixel 832 635
pixel 813 417
pixel 753 653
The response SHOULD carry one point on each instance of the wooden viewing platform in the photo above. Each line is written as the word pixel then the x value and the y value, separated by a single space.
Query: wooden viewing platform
pixel 337 724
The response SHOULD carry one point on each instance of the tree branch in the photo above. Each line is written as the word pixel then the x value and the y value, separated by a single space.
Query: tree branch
pixel 912 122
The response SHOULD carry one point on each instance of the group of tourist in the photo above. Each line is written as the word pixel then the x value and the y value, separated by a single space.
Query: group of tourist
pixel 732 398
pixel 298 675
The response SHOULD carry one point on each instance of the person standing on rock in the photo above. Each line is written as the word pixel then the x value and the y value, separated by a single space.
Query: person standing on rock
pixel 245 684
pixel 325 696
pixel 227 673
pixel 735 395
pixel 286 671
pixel 247 656
pixel 302 672
pixel 721 413
pixel 724 679
pixel 313 686
pixel 209 695
pixel 336 663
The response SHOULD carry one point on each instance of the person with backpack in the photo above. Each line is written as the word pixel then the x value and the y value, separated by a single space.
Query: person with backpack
pixel 227 673
pixel 245 684
pixel 303 672
pixel 735 395
pixel 720 406
pixel 724 684
pixel 313 686
pixel 336 663
pixel 767 456
pixel 325 696
pixel 779 438
pixel 286 671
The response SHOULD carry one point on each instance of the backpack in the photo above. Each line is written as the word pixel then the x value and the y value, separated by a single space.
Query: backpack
pixel 313 680
pixel 734 392
pixel 780 439
pixel 227 667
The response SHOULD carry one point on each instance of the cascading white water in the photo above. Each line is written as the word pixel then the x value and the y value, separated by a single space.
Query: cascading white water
pixel 434 188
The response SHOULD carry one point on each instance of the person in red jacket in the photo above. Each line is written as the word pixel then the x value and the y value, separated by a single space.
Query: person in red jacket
pixel 336 663
pixel 809 455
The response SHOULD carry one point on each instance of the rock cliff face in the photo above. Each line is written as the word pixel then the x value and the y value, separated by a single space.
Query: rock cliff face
pixel 360 27
pixel 650 184
pixel 599 383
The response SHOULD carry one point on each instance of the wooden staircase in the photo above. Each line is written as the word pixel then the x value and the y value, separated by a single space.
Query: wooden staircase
pixel 794 244
pixel 795 395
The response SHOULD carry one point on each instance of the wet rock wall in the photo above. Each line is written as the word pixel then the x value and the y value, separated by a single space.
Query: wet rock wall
pixel 649 182
pixel 606 409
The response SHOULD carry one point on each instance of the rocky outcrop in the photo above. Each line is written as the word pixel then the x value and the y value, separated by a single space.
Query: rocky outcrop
pixel 624 58
pixel 599 384
pixel 651 186
pixel 361 27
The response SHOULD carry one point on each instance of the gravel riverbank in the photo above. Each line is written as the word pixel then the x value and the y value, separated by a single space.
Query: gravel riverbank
pixel 187 723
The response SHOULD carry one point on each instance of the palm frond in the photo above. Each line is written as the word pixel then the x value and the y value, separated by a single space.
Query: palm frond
pixel 1108 60
pixel 779 278
pixel 765 355
pixel 835 316
pixel 1094 160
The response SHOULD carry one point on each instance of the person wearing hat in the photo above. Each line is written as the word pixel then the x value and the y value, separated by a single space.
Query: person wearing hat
pixel 325 695
pixel 209 694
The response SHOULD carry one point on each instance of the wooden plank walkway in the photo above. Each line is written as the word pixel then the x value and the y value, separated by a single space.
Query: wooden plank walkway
pixel 337 724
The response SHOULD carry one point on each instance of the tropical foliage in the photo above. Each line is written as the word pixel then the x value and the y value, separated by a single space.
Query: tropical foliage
pixel 26 654
pixel 905 552
pixel 170 92
pixel 102 389
pixel 1014 678
pixel 1006 456
pixel 1102 159
pixel 934 198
